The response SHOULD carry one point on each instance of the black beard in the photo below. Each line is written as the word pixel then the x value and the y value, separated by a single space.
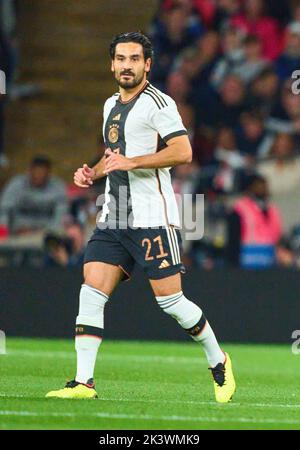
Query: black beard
pixel 129 84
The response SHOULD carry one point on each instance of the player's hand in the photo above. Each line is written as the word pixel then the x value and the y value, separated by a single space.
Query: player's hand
pixel 83 177
pixel 115 161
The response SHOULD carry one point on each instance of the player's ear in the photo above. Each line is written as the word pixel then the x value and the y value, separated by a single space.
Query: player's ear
pixel 148 65
pixel 112 67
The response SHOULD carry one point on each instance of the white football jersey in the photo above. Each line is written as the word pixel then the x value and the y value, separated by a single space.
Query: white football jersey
pixel 139 127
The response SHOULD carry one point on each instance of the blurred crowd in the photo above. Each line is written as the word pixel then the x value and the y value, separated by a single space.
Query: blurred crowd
pixel 228 64
pixel 9 64
pixel 43 220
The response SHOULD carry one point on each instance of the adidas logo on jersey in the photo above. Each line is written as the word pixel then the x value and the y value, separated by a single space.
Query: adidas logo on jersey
pixel 164 264
pixel 117 117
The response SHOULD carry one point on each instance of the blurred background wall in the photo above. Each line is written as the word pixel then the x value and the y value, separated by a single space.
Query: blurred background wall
pixel 242 306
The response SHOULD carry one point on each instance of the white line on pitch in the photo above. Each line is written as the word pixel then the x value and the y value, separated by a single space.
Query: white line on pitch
pixel 151 417
pixel 130 358
pixel 104 356
pixel 184 402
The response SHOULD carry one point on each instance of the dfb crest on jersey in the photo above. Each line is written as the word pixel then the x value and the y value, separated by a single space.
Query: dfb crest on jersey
pixel 113 134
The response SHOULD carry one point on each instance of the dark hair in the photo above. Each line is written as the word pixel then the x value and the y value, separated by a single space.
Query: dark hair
pixel 251 39
pixel 266 72
pixel 40 160
pixel 133 36
pixel 254 114
pixel 250 179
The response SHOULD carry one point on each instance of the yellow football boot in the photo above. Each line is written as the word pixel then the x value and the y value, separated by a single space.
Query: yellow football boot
pixel 224 383
pixel 76 390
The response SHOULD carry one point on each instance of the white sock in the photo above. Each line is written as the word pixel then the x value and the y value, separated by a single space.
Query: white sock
pixel 89 330
pixel 87 349
pixel 210 345
pixel 193 321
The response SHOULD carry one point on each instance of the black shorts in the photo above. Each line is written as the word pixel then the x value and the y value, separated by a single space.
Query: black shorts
pixel 156 250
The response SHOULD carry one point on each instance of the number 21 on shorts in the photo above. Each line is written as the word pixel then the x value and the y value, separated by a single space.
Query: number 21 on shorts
pixel 156 243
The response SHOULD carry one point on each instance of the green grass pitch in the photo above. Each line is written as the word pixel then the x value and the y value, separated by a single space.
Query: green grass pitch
pixel 148 385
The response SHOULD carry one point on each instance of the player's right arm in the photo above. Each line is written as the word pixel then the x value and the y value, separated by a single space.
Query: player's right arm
pixel 85 175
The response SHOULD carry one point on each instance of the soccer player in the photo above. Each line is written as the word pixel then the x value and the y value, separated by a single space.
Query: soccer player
pixel 144 137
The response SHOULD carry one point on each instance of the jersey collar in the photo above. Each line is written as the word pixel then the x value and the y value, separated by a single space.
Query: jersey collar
pixel 136 95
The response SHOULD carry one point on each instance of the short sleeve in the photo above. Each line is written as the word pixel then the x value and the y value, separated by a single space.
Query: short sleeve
pixel 167 121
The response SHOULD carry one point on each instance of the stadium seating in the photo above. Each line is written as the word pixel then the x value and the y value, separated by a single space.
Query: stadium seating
pixel 64 49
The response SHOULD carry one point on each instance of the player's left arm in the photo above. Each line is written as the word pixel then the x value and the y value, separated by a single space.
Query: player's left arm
pixel 167 122
pixel 178 151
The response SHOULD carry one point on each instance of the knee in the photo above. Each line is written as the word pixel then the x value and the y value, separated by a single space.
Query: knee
pixel 96 280
pixel 181 309
pixel 98 277
pixel 91 306
pixel 92 296
pixel 93 283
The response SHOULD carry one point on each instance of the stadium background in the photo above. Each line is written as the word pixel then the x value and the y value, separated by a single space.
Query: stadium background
pixel 207 57
pixel 54 53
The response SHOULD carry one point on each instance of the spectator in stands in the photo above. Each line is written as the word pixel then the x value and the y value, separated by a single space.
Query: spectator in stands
pixel 254 62
pixel 283 170
pixel 196 64
pixel 286 256
pixel 233 56
pixel 205 9
pixel 222 108
pixel 67 250
pixel 33 201
pixel 285 115
pixel 178 87
pixel 263 92
pixel 171 32
pixel 75 232
pixel 229 163
pixel 226 9
pixel 253 227
pixel 188 118
pixel 283 175
pixel 249 65
pixel 185 178
pixel 223 173
pixel 214 110
pixel 252 138
pixel 289 60
pixel 253 20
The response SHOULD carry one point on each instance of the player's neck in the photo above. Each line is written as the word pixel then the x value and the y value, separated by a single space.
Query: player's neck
pixel 127 94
